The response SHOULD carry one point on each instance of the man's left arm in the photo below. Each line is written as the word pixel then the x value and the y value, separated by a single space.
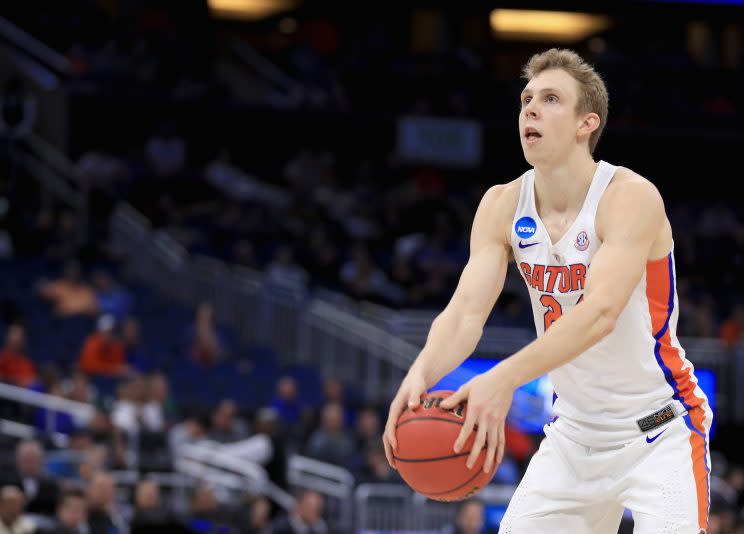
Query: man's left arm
pixel 632 217
pixel 631 225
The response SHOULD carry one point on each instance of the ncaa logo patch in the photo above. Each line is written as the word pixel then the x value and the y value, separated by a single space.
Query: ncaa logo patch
pixel 582 241
pixel 525 227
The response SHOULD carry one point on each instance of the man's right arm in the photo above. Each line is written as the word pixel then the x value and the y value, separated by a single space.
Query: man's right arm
pixel 455 332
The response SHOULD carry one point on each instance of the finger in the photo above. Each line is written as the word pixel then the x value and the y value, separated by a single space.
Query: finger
pixel 414 400
pixel 478 444
pixel 501 448
pixel 488 462
pixel 388 451
pixel 456 398
pixel 467 428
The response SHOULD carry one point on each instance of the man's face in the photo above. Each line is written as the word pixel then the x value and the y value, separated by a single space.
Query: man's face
pixel 30 461
pixel 548 107
pixel 470 519
pixel 73 512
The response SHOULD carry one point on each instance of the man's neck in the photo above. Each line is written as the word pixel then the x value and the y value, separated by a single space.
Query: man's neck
pixel 563 187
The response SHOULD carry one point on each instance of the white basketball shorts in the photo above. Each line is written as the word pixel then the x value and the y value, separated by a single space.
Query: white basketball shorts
pixel 662 477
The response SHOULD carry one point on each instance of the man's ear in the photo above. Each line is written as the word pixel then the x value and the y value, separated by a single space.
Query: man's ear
pixel 588 124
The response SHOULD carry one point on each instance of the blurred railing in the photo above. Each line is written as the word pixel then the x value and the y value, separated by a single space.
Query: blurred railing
pixel 384 508
pixel 302 329
pixel 335 483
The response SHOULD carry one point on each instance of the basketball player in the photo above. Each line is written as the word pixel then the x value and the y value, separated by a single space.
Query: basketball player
pixel 594 246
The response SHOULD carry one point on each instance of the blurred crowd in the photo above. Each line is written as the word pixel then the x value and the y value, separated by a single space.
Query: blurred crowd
pixel 313 213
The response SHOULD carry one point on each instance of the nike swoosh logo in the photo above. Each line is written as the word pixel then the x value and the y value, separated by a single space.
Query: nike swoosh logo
pixel 651 440
pixel 526 245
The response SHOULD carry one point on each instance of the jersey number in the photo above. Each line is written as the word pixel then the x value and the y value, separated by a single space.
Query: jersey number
pixel 554 309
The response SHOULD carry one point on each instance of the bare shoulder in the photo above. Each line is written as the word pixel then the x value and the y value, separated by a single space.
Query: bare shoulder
pixel 503 197
pixel 498 206
pixel 629 196
pixel 630 188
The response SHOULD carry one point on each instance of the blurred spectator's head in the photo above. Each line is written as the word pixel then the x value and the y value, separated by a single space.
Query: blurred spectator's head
pixel 15 339
pixel 203 500
pixel 266 420
pixel 80 389
pixel 244 253
pixel 333 390
pixel 135 390
pixel 29 458
pixel 130 332
pixel 103 282
pixel 284 255
pixel 147 496
pixel 470 517
pixel 80 440
pixel 309 507
pixel 286 389
pixel 106 326
pixel 332 418
pixel 158 388
pixel 101 491
pixel 224 416
pixel 100 423
pixel 12 502
pixel 260 512
pixel 368 424
pixel 72 510
pixel 93 462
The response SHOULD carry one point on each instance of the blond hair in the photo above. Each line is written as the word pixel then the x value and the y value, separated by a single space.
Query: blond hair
pixel 593 96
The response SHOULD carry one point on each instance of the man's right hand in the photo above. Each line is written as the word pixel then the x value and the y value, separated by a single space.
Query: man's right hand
pixel 408 396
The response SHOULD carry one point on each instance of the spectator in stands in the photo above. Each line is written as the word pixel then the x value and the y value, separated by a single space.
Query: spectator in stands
pixel 284 270
pixel 149 511
pixel 41 492
pixel 305 518
pixel 72 514
pixel 103 514
pixel 374 467
pixel 12 520
pixel 330 443
pixel 368 428
pixel 15 366
pixel 206 345
pixel 226 426
pixel 732 328
pixel 52 420
pixel 206 513
pixel 111 298
pixel 103 353
pixel 105 434
pixel 470 519
pixel 134 411
pixel 134 352
pixel 160 395
pixel 69 295
pixel 166 152
pixel 253 515
pixel 286 402
pixel 265 447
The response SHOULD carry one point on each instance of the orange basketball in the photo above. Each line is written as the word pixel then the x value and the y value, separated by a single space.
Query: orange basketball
pixel 425 456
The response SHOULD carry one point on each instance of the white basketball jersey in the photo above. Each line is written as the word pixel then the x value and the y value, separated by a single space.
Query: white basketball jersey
pixel 637 369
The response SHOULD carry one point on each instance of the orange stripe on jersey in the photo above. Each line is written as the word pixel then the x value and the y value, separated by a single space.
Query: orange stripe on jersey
pixel 699 462
pixel 660 296
pixel 660 291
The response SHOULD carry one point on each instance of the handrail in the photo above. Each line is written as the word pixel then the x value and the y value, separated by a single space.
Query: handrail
pixel 52 403
pixel 34 47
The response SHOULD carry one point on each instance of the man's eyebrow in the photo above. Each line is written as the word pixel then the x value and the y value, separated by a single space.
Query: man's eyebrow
pixel 544 90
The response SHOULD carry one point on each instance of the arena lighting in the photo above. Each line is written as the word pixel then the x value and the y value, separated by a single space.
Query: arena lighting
pixel 249 9
pixel 535 25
